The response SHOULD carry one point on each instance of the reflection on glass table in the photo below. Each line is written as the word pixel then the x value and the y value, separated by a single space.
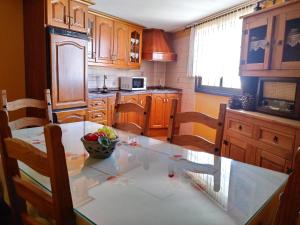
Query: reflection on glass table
pixel 152 182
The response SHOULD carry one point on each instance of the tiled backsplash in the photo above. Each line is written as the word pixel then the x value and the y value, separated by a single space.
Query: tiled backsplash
pixel 154 71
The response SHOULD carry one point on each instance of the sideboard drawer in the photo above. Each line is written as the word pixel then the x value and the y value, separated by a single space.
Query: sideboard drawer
pixel 98 116
pixel 276 138
pixel 240 127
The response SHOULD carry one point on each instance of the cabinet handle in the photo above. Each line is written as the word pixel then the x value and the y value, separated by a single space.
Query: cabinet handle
pixel 141 102
pixel 167 100
pixel 225 142
pixel 71 21
pixel 67 20
pixel 289 170
pixel 275 139
pixel 267 44
pixel 240 127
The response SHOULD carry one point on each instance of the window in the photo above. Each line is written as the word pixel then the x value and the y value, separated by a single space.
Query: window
pixel 215 49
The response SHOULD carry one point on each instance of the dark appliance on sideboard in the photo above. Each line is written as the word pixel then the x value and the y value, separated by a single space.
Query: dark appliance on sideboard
pixel 279 96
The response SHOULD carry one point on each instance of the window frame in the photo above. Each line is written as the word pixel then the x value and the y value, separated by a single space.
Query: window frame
pixel 215 90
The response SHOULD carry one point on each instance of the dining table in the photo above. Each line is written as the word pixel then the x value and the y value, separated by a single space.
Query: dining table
pixel 151 182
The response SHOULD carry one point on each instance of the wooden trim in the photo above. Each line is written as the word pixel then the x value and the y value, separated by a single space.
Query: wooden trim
pixel 27 122
pixel 288 212
pixel 28 154
pixel 194 117
pixel 58 205
pixel 35 195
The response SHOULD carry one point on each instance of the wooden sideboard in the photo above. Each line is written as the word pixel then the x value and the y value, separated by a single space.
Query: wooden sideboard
pixel 260 139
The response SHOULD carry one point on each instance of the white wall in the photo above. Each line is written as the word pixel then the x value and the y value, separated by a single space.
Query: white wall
pixel 154 71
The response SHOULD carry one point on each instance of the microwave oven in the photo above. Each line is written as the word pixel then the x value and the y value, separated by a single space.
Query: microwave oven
pixel 133 83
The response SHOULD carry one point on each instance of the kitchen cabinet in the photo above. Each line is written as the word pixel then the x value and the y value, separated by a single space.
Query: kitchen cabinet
pixel 135 46
pixel 271 42
pixel 270 161
pixel 263 140
pixel 91 52
pixel 113 42
pixel 71 116
pixel 104 40
pixel 69 83
pixel 240 150
pixel 161 109
pixel 120 51
pixel 68 14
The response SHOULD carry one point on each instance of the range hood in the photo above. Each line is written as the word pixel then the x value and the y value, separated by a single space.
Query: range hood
pixel 156 46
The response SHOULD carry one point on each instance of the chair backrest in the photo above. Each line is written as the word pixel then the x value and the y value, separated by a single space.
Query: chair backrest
pixel 132 107
pixel 194 140
pixel 289 208
pixel 28 103
pixel 57 205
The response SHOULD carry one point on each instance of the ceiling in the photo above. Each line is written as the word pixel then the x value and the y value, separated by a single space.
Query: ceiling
pixel 169 15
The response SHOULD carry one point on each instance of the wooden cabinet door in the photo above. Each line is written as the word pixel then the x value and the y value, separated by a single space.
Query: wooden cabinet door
pixel 270 161
pixel 256 44
pixel 91 31
pixel 68 72
pixel 134 46
pixel 158 111
pixel 287 47
pixel 104 40
pixel 78 16
pixel 120 52
pixel 132 117
pixel 58 13
pixel 168 107
pixel 110 110
pixel 238 149
pixel 142 102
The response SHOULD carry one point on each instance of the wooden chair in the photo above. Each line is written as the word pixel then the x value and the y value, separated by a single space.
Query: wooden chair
pixel 289 208
pixel 132 107
pixel 193 140
pixel 28 103
pixel 58 204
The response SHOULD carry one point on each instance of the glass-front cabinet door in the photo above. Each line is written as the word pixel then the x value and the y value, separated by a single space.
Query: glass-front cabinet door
pixel 91 37
pixel 135 37
pixel 288 43
pixel 257 35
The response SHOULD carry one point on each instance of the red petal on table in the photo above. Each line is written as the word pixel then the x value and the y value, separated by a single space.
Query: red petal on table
pixel 111 178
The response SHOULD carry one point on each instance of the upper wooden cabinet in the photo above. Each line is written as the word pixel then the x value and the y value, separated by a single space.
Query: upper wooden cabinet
pixel 271 42
pixel 120 51
pixel 69 14
pixel 135 46
pixel 69 83
pixel 104 40
pixel 113 43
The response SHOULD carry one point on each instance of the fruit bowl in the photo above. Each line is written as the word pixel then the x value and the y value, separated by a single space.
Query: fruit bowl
pixel 100 144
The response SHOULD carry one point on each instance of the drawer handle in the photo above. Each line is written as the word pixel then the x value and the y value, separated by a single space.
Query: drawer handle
pixel 275 139
pixel 240 127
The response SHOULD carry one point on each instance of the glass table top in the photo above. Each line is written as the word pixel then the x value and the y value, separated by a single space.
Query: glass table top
pixel 156 183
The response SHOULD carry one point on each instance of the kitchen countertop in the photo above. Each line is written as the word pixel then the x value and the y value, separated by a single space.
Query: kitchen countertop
pixel 111 93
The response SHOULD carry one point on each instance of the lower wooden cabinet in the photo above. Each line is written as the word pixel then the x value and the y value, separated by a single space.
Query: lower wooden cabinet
pixel 271 161
pixel 263 140
pixel 161 109
pixel 238 149
pixel 71 116
pixel 101 110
